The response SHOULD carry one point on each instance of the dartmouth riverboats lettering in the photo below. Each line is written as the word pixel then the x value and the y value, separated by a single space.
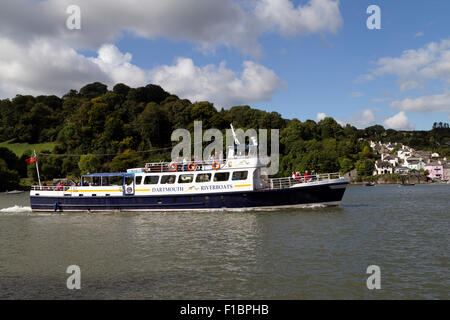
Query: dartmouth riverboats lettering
pixel 167 189
pixel 217 187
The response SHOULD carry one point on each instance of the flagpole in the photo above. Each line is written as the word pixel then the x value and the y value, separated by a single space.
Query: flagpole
pixel 37 168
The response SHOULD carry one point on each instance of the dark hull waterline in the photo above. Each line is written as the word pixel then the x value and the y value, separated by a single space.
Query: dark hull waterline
pixel 321 194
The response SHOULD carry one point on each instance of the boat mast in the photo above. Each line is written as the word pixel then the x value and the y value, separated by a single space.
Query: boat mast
pixel 37 168
pixel 234 135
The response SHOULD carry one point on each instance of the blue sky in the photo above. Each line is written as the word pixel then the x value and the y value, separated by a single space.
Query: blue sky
pixel 275 55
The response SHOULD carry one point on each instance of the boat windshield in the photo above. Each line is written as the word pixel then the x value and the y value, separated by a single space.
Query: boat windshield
pixel 107 179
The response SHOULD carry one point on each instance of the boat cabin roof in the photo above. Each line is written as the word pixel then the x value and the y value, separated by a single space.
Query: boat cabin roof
pixel 109 174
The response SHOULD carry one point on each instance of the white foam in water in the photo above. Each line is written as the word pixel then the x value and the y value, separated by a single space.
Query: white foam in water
pixel 16 208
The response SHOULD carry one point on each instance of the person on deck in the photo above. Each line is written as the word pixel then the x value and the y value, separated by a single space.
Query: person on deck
pixel 306 176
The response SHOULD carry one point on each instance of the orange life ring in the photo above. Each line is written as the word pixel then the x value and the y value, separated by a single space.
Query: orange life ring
pixel 216 165
pixel 192 166
pixel 173 167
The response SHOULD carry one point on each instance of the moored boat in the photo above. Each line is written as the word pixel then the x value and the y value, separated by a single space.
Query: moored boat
pixel 14 192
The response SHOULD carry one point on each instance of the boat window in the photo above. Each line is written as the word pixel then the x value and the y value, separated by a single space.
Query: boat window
pixel 128 180
pixel 203 177
pixel 221 176
pixel 185 178
pixel 240 175
pixel 138 179
pixel 115 181
pixel 168 179
pixel 151 179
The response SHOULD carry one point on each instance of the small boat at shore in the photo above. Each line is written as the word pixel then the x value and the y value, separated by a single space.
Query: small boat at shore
pixel 14 192
pixel 370 184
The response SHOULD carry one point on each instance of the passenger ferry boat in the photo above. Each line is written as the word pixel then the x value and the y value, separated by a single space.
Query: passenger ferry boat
pixel 239 182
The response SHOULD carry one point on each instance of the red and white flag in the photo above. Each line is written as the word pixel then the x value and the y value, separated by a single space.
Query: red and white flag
pixel 31 160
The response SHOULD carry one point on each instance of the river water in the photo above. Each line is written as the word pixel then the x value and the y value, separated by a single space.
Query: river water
pixel 319 253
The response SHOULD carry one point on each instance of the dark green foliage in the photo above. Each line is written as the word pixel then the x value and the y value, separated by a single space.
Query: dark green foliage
pixel 93 90
pixel 9 170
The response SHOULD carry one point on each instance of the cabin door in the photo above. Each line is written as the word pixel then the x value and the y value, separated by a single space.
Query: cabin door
pixel 128 186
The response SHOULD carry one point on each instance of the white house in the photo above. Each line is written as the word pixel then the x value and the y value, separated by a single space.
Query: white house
pixel 414 164
pixel 394 161
pixel 382 167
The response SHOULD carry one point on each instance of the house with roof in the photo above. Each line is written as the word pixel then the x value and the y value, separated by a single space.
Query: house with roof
pixel 394 161
pixel 382 167
pixel 401 170
pixel 413 163
pixel 404 154
pixel 435 170
pixel 446 171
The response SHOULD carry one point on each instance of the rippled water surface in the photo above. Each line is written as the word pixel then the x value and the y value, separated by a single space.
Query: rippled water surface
pixel 319 253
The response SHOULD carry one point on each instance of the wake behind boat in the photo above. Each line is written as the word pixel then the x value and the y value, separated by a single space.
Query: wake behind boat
pixel 238 182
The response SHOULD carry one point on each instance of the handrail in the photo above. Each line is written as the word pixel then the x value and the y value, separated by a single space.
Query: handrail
pixel 287 182
pixel 73 187
pixel 51 188
pixel 181 166
pixel 271 183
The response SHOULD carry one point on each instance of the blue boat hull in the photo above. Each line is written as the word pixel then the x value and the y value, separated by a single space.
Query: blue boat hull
pixel 328 194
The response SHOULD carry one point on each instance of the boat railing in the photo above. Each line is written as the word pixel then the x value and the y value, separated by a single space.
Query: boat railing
pixel 178 166
pixel 51 188
pixel 287 182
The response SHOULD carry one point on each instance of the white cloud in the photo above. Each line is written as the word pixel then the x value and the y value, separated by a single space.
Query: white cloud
pixel 409 85
pixel 418 34
pixel 320 116
pixel 208 23
pixel 356 94
pixel 359 119
pixel 316 16
pixel 46 67
pixel 399 122
pixel 41 56
pixel 434 103
pixel 118 66
pixel 218 84
pixel 416 66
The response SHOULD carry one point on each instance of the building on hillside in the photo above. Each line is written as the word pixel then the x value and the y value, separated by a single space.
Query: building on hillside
pixel 401 170
pixel 414 164
pixel 382 167
pixel 403 154
pixel 446 172
pixel 435 171
pixel 394 161
pixel 435 155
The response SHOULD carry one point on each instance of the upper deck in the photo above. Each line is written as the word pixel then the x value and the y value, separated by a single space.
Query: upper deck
pixel 237 157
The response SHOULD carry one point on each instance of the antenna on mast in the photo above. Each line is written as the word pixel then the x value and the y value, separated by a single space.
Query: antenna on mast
pixel 234 135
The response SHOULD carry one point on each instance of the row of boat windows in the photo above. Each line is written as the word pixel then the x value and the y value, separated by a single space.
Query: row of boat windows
pixel 189 178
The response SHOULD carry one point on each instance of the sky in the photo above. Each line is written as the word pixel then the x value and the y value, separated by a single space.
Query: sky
pixel 305 59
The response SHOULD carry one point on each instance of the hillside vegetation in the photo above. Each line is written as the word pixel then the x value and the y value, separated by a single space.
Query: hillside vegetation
pixel 95 129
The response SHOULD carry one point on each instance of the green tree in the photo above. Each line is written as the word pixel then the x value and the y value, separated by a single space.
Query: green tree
pixel 364 167
pixel 89 163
